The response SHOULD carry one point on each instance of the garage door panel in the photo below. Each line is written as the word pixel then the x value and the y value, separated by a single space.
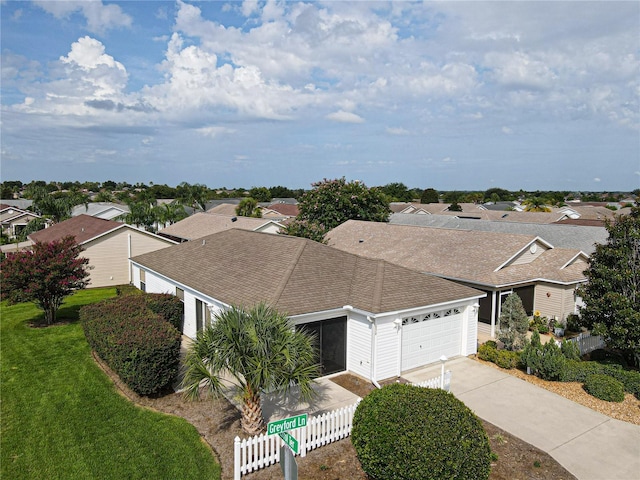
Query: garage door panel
pixel 426 341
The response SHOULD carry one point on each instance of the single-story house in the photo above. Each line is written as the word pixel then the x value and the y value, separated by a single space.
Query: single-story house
pixel 562 235
pixel 107 244
pixel 105 210
pixel 371 317
pixel 14 219
pixel 201 224
pixel 544 277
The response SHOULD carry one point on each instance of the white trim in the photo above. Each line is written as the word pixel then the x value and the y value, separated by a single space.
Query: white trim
pixel 579 254
pixel 131 227
pixel 522 250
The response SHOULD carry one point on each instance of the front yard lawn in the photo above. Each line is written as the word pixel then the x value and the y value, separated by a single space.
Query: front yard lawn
pixel 61 417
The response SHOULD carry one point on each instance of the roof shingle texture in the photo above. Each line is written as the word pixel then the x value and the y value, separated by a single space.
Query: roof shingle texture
pixel 201 224
pixel 463 255
pixel 83 228
pixel 296 275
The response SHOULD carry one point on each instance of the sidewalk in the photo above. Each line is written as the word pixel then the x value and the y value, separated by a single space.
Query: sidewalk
pixel 588 444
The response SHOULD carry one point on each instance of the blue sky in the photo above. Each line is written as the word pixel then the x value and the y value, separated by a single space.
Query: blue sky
pixel 453 95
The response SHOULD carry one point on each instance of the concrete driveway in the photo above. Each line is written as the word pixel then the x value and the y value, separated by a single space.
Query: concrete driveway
pixel 588 444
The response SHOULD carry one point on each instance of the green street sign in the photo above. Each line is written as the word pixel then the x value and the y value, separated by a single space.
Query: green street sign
pixel 286 424
pixel 290 441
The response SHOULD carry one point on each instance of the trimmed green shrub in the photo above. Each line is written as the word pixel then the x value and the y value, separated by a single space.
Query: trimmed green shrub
pixel 507 359
pixel 408 432
pixel 488 351
pixel 168 307
pixel 577 371
pixel 604 387
pixel 531 356
pixel 570 350
pixel 552 361
pixel 138 345
pixel 630 379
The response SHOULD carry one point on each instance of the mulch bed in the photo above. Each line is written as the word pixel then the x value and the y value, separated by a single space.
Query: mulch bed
pixel 218 422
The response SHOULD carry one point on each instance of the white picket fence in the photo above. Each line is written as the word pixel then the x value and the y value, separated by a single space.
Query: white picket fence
pixel 587 342
pixel 260 451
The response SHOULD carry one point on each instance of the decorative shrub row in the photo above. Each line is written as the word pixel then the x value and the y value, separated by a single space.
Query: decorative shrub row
pixel 406 432
pixel 140 346
pixel 168 307
pixel 604 387
pixel 576 371
pixel 503 358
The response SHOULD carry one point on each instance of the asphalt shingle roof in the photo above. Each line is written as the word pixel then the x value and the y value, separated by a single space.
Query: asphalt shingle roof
pixel 83 228
pixel 296 275
pixel 201 224
pixel 474 256
pixel 564 236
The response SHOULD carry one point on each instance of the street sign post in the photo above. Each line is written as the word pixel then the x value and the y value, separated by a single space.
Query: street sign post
pixel 286 424
pixel 290 441
pixel 288 464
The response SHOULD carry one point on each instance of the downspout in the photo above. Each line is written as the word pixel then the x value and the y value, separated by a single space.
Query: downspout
pixel 493 314
pixel 372 320
pixel 129 256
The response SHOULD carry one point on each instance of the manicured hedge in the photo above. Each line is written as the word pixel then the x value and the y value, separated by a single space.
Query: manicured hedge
pixel 503 358
pixel 168 307
pixel 576 371
pixel 408 432
pixel 604 387
pixel 140 346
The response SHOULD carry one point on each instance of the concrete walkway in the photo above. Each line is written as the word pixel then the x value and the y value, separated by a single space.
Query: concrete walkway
pixel 588 444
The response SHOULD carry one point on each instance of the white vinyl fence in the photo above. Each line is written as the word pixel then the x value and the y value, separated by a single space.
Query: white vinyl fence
pixel 587 342
pixel 260 451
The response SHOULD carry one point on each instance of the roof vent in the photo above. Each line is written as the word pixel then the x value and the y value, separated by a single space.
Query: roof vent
pixel 361 241
pixel 203 241
pixel 233 219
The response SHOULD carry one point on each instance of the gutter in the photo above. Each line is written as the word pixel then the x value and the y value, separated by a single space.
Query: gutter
pixel 372 320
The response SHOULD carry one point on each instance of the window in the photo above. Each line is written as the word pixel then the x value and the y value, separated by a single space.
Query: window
pixel 143 280
pixel 180 293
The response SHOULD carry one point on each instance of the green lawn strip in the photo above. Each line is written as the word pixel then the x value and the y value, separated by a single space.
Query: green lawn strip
pixel 61 417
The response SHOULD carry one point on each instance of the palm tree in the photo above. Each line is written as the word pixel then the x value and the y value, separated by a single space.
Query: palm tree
pixel 194 196
pixel 248 207
pixel 260 350
pixel 536 204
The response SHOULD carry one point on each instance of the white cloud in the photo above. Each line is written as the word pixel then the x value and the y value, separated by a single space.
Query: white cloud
pixel 214 132
pixel 397 131
pixel 596 179
pixel 507 130
pixel 345 117
pixel 100 17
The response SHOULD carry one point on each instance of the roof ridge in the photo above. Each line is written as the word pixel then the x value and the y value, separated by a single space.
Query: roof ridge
pixel 287 274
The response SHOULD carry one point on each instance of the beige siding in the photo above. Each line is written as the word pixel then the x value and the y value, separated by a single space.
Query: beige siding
pixel 555 300
pixel 527 256
pixel 109 255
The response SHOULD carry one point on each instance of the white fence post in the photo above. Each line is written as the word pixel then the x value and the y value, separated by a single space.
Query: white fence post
pixel 236 459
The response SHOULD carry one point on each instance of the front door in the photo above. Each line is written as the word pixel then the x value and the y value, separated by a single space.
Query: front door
pixel 331 341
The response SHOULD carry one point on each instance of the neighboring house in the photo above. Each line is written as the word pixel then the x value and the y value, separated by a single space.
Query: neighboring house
pixel 280 211
pixel 21 203
pixel 104 210
pixel 13 219
pixel 202 224
pixel 481 212
pixel 562 235
pixel 228 209
pixel 544 277
pixel 107 244
pixel 371 317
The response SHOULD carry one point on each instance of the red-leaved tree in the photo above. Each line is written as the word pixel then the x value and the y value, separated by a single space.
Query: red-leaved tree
pixel 44 275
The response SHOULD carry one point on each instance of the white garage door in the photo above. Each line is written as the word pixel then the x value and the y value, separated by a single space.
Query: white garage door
pixel 426 338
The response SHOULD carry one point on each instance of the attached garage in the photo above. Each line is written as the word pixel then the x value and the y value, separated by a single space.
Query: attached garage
pixel 426 338
pixel 370 317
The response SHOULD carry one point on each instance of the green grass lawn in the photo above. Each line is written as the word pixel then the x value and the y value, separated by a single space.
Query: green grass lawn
pixel 61 417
